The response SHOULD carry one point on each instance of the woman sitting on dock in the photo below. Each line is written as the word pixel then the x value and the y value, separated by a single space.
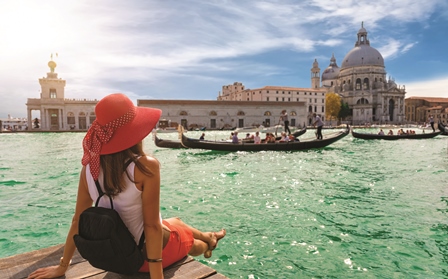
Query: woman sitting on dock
pixel 114 142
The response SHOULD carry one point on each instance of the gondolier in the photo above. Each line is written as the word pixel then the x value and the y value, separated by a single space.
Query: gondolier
pixel 284 117
pixel 319 124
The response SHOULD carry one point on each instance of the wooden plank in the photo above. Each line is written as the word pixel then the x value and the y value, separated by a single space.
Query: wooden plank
pixel 217 276
pixel 20 266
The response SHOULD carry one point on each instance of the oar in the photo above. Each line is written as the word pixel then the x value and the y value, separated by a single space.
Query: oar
pixel 276 127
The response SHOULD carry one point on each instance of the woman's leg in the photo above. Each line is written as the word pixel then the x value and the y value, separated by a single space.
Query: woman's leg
pixel 203 241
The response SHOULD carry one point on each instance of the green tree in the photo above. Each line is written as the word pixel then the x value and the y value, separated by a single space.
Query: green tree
pixel 344 111
pixel 332 106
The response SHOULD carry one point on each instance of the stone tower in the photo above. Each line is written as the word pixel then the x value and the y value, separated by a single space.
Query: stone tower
pixel 315 75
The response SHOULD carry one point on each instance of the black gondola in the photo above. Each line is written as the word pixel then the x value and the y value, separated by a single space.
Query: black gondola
pixel 278 146
pixel 177 144
pixel 394 137
pixel 167 143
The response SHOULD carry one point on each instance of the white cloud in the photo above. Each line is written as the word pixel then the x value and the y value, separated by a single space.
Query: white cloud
pixel 428 88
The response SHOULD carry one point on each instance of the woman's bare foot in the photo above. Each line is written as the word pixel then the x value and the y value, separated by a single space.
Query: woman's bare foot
pixel 214 238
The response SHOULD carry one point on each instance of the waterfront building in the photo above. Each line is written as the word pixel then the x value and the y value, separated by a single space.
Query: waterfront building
pixel 362 83
pixel 57 112
pixel 418 109
pixel 212 114
pixel 312 99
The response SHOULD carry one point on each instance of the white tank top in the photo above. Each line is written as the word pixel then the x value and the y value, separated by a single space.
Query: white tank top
pixel 128 203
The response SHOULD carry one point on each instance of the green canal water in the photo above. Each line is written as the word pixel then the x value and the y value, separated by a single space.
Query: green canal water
pixel 356 209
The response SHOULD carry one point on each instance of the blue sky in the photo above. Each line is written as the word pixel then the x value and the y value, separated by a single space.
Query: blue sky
pixel 189 49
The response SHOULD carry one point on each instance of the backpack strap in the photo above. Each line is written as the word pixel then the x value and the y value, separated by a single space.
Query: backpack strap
pixel 101 193
pixel 141 242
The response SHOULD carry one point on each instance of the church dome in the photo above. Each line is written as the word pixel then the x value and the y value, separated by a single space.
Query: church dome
pixel 332 71
pixel 363 54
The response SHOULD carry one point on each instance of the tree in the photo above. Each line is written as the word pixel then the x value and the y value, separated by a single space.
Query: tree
pixel 345 110
pixel 332 106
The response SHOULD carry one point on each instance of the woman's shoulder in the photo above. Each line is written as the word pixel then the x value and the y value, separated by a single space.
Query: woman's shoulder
pixel 149 161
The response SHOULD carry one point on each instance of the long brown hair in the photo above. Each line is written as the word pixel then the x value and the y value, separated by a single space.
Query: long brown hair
pixel 114 165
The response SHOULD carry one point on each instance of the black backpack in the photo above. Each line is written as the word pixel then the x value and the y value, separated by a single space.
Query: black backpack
pixel 105 241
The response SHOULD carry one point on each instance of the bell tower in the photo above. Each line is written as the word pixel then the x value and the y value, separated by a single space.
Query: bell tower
pixel 315 75
pixel 52 87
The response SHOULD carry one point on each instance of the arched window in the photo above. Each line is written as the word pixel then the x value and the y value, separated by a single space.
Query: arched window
pixel 362 101
pixel 358 84
pixel 213 113
pixel 183 113
pixel 365 84
pixel 240 113
pixel 293 113
pixel 267 113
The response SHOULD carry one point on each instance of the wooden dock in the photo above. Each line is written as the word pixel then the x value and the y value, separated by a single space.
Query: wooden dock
pixel 19 266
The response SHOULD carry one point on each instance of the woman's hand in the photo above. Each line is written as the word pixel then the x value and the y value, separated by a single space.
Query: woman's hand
pixel 48 272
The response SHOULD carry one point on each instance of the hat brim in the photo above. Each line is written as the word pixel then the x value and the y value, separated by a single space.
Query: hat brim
pixel 133 132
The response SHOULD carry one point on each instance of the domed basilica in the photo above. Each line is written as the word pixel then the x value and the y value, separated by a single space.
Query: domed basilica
pixel 361 82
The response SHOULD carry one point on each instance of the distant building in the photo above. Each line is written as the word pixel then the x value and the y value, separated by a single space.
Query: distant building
pixel 312 99
pixel 60 114
pixel 360 81
pixel 224 114
pixel 13 124
pixel 418 109
pixel 57 112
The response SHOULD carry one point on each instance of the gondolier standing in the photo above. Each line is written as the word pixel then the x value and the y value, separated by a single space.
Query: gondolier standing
pixel 431 121
pixel 284 117
pixel 319 124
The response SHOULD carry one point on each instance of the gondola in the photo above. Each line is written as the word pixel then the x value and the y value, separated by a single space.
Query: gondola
pixel 177 144
pixel 394 137
pixel 278 146
pixel 442 127
pixel 167 143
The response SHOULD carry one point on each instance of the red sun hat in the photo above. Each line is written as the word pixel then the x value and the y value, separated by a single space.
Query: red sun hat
pixel 119 125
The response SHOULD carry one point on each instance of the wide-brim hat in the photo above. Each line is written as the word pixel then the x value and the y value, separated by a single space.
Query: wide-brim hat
pixel 114 107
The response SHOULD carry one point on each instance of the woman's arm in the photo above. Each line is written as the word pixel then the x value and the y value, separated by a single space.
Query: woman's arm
pixel 151 213
pixel 83 201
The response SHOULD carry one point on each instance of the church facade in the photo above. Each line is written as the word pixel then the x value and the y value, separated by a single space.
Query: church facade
pixel 362 83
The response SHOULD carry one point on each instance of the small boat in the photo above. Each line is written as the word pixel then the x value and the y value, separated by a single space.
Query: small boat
pixel 167 143
pixel 366 136
pixel 277 146
pixel 443 128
